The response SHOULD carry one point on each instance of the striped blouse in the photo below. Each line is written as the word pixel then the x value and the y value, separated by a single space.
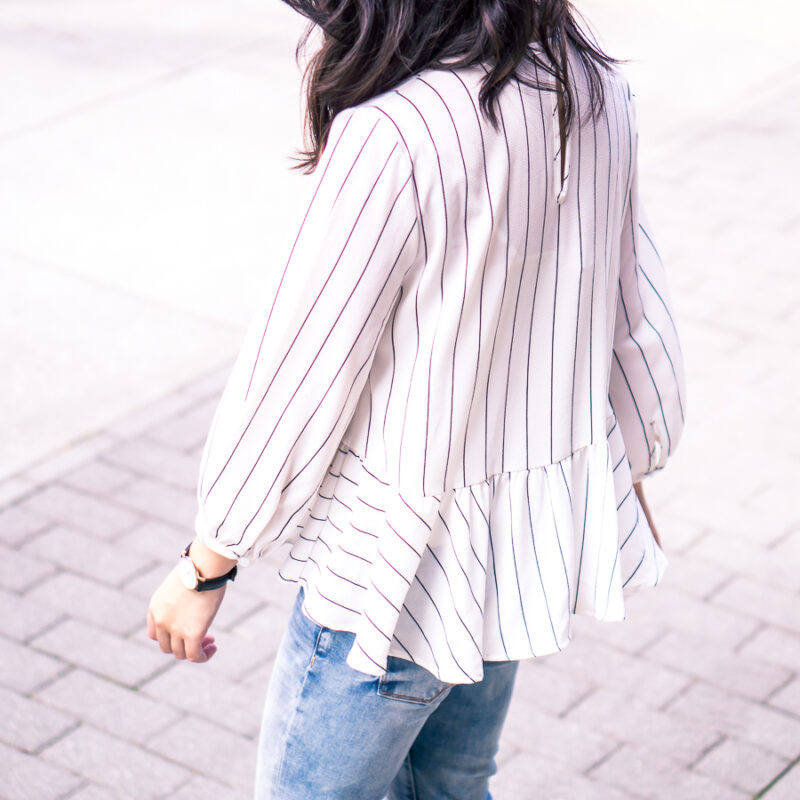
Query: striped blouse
pixel 464 359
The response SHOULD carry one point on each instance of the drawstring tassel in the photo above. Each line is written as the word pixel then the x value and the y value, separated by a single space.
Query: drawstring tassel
pixel 563 134
pixel 560 135
pixel 564 177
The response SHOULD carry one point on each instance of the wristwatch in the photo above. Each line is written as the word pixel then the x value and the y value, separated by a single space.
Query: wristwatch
pixel 192 579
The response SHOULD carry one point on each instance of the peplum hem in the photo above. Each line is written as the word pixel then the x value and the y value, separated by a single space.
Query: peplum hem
pixel 493 571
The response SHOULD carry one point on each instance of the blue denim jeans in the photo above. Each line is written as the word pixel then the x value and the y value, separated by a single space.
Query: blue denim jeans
pixel 331 733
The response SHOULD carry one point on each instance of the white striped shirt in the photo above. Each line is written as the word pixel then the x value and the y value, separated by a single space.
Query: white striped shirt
pixel 461 366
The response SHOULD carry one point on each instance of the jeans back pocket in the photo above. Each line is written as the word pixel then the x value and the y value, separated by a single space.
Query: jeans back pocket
pixel 410 683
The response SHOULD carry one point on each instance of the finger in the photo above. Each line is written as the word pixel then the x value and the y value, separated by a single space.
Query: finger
pixel 178 648
pixel 208 644
pixel 164 640
pixel 209 648
pixel 151 625
pixel 195 651
pixel 209 651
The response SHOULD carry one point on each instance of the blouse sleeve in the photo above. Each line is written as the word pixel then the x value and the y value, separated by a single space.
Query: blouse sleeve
pixel 647 381
pixel 308 350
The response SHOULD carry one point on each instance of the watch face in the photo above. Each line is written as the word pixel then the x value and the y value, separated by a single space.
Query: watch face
pixel 187 572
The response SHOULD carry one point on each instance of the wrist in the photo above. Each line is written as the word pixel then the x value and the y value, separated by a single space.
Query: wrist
pixel 209 563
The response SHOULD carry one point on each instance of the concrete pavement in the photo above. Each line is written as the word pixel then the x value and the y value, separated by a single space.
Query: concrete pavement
pixel 144 173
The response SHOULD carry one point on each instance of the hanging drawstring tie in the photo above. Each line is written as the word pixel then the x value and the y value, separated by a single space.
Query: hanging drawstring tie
pixel 560 120
pixel 562 152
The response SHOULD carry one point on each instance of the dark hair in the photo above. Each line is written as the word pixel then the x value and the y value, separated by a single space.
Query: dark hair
pixel 369 46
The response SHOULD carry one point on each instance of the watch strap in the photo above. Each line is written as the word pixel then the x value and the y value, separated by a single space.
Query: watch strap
pixel 207 584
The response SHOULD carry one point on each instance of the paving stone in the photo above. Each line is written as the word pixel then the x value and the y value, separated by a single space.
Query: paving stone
pixel 238 657
pixel 80 510
pixel 25 777
pixel 209 750
pixel 265 627
pixel 198 691
pixel 207 788
pixel 546 688
pixel 151 459
pixel 24 617
pixel 186 431
pixel 152 414
pixel 24 669
pixel 775 647
pixel 69 458
pixel 93 792
pixel 787 787
pixel 787 698
pixel 778 500
pixel 97 477
pixel 787 549
pixel 530 777
pixel 19 571
pixel 628 719
pixel 261 579
pixel 126 713
pixel 740 764
pixel 196 453
pixel 727 517
pixel 257 678
pixel 15 488
pixel 147 581
pixel 29 725
pixel 77 551
pixel 81 644
pixel 129 770
pixel 761 600
pixel 640 629
pixel 154 539
pixel 236 607
pixel 744 555
pixel 695 576
pixel 751 722
pixel 86 599
pixel 633 768
pixel 210 386
pixel 601 665
pixel 538 732
pixel 702 658
pixel 680 611
pixel 677 533
pixel 506 751
pixel 156 500
pixel 18 524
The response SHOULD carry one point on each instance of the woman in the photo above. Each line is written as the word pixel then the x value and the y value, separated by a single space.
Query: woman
pixel 465 362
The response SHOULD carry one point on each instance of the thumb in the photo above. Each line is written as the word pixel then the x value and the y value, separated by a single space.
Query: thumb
pixel 200 650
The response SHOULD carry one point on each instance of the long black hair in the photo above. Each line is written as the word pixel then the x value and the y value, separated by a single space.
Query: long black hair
pixel 370 46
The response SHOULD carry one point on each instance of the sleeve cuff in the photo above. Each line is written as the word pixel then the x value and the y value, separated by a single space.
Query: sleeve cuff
pixel 243 559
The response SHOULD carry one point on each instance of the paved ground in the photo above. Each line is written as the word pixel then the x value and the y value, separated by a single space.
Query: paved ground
pixel 143 153
pixel 695 695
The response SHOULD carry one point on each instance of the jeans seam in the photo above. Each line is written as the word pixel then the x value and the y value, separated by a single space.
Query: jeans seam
pixel 411 783
pixel 279 771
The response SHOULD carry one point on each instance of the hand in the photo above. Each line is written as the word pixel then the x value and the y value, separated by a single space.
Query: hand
pixel 179 618
pixel 640 494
